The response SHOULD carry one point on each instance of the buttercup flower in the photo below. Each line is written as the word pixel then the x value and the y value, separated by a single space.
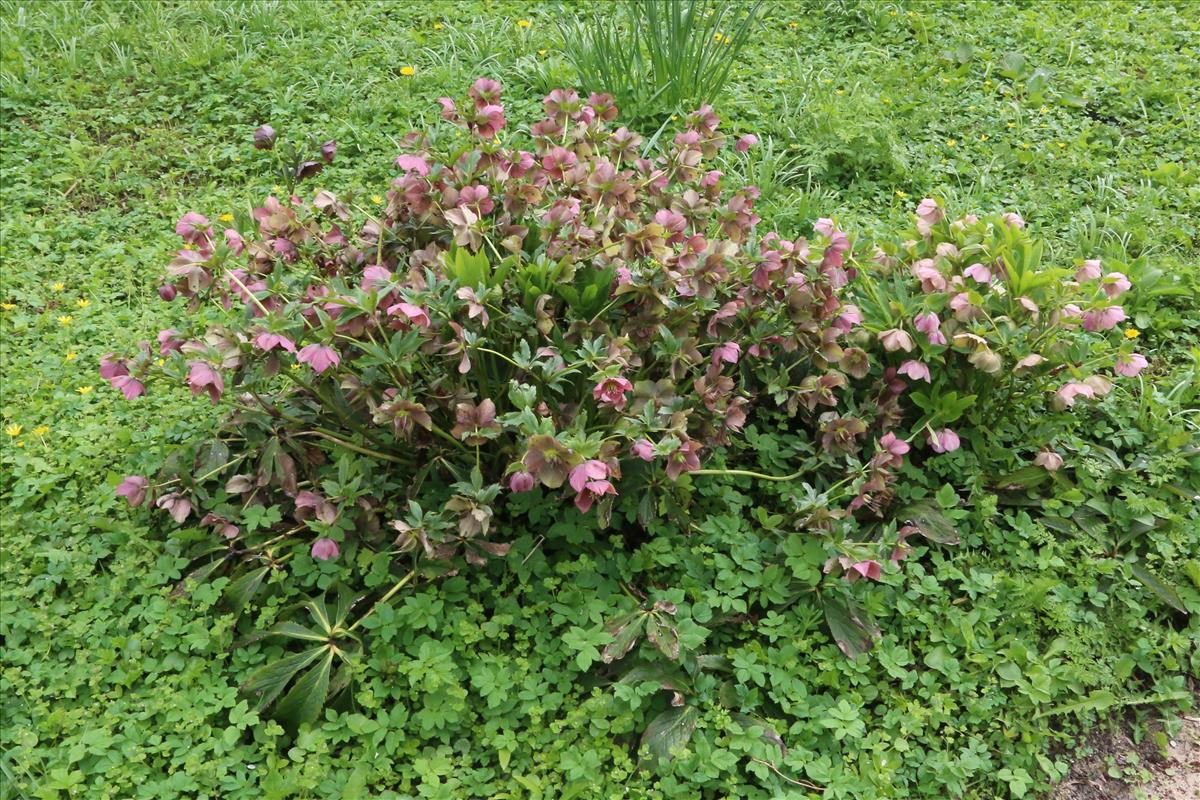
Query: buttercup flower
pixel 407 71
pixel 1129 366
pixel 13 430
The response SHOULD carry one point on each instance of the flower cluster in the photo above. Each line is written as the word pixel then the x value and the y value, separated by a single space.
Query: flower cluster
pixel 563 311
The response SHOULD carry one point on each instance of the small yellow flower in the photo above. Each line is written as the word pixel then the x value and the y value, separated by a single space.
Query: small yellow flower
pixel 408 72
pixel 8 306
pixel 952 142
pixel 901 194
pixel 840 91
pixel 1024 145
pixel 376 199
pixel 437 26
pixel 227 217
pixel 542 53
pixel 13 430
pixel 983 137
pixel 887 102
pixel 1044 110
pixel 794 25
pixel 160 361
pixel 41 430
pixel 83 302
pixel 1132 333
pixel 1012 124
pixel 58 287
pixel 72 355
pixel 523 23
pixel 84 390
pixel 276 189
pixel 189 246
pixel 295 366
pixel 1061 145
pixel 65 319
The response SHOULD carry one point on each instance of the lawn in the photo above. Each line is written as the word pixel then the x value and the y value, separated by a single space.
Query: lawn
pixel 1059 610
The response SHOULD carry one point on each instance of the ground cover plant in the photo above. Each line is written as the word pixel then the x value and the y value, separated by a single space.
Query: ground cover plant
pixel 654 620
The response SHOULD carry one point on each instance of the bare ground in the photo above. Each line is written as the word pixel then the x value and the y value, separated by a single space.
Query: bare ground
pixel 1117 769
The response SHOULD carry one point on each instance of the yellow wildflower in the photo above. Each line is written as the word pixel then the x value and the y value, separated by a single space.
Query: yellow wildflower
pixel 72 355
pixel 84 389
pixel 542 53
pixel 41 430
pixel 952 142
pixel 13 430
pixel 408 72
pixel 83 302
pixel 437 26
pixel 983 137
pixel 376 199
pixel 226 217
pixel 901 194
pixel 65 319
pixel 1132 333
pixel 523 23
pixel 58 287
pixel 8 306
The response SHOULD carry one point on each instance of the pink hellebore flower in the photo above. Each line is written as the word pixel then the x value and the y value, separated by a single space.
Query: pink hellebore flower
pixel 1067 393
pixel 643 449
pixel 611 391
pixel 203 378
pixel 590 481
pixel 324 549
pixel 415 314
pixel 867 569
pixel 169 341
pixel 895 447
pixel 318 356
pixel 112 367
pixel 1116 284
pixel 133 489
pixel 685 459
pixel 264 137
pixel 1048 460
pixel 521 482
pixel 1013 220
pixel 234 241
pixel 328 150
pixel 929 275
pixel 267 341
pixel 929 213
pixel 979 272
pixel 130 387
pixel 194 228
pixel 824 226
pixel 176 505
pixel 167 292
pixel 1103 319
pixel 1129 366
pixel 1090 270
pixel 930 325
pixel 728 352
pixel 896 339
pixel 746 142
pixel 916 370
pixel 943 441
pixel 410 163
pixel 374 276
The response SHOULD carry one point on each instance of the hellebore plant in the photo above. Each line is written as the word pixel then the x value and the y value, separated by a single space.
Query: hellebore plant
pixel 565 311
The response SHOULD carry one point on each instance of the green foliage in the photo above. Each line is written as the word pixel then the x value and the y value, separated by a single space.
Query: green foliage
pixel 995 653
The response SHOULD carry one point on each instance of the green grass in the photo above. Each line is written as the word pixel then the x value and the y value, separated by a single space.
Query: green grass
pixel 119 117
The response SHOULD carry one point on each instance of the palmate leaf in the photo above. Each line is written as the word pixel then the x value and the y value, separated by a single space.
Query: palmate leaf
pixel 853 629
pixel 670 732
pixel 307 696
pixel 266 683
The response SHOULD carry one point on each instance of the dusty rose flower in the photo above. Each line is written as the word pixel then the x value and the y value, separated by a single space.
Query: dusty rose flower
pixel 485 92
pixel 1048 460
pixel 930 325
pixel 178 506
pixel 1129 366
pixel 1028 305
pixel 169 342
pixel 979 273
pixel 866 569
pixel 896 339
pixel 411 163
pixel 1030 361
pixel 1103 319
pixel 685 459
pixel 1099 384
pixel 415 314
pixel 521 482
pixel 195 229
pixel 943 441
pixel 729 352
pixel 268 341
pixel 1116 284
pixel 929 275
pixel 328 150
pixel 611 391
pixel 1013 220
pixel 1090 270
pixel 324 549
pixel 915 370
pixel 895 448
pixel 129 386
pixel 167 292
pixel 549 460
pixel 643 449
pixel 221 526
pixel 133 489
pixel 746 142
pixel 203 378
pixel 929 213
pixel 488 121
pixel 112 367
pixel 1068 392
pixel 318 356
pixel 264 137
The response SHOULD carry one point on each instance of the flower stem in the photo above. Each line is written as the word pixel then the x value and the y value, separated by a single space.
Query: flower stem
pixel 400 584
pixel 746 473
